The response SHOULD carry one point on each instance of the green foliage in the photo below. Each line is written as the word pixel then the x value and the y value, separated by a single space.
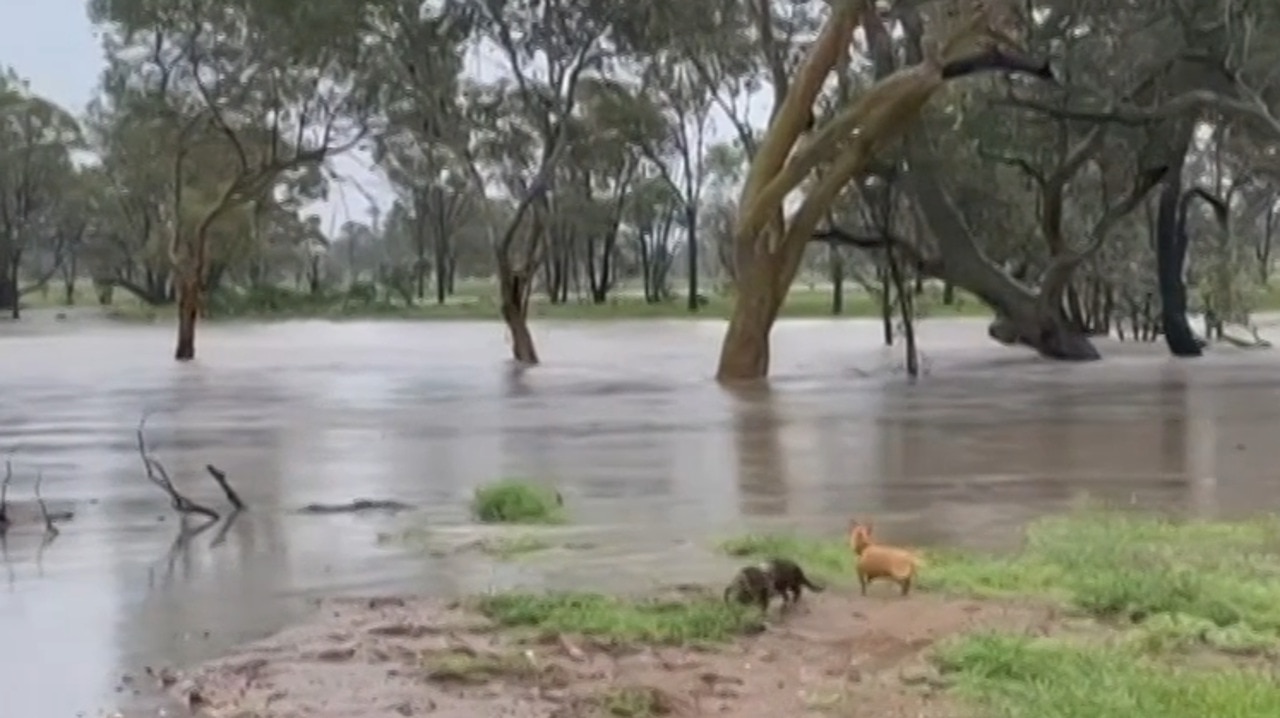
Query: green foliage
pixel 1134 567
pixel 517 502
pixel 695 620
pixel 1020 677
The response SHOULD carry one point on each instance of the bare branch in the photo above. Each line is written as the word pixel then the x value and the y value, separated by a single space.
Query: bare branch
pixel 835 235
pixel 1188 103
pixel 49 528
pixel 159 476
pixel 996 60
pixel 220 476
pixel 4 495
pixel 1022 165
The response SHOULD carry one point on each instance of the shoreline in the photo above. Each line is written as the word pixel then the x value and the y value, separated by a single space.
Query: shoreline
pixel 1096 610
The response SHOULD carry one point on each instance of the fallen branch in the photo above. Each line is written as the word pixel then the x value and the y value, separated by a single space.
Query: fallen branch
pixel 159 476
pixel 49 528
pixel 221 537
pixel 220 476
pixel 356 506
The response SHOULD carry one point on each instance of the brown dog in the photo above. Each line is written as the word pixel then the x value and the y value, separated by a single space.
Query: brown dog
pixel 877 561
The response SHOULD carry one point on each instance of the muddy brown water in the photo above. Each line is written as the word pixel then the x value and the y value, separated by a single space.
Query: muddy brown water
pixel 653 458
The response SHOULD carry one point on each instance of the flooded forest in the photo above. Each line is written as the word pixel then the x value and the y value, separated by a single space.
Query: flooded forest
pixel 388 358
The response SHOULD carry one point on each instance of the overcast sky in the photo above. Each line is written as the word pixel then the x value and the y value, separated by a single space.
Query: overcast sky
pixel 52 44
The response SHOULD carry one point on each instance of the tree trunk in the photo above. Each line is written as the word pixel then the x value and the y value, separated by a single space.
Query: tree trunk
pixel 1021 318
pixel 514 292
pixel 691 220
pixel 12 280
pixel 763 278
pixel 836 259
pixel 1171 254
pixel 188 313
pixel 8 290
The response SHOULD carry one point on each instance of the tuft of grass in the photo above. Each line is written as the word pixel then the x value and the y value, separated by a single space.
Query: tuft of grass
pixel 513 501
pixel 1021 677
pixel 461 666
pixel 829 561
pixel 635 702
pixel 697 620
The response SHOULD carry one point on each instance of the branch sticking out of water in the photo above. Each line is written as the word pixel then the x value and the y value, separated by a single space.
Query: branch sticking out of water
pixel 50 529
pixel 159 476
pixel 220 476
pixel 4 495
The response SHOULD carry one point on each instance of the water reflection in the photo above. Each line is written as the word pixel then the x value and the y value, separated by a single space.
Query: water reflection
pixel 762 471
pixel 653 458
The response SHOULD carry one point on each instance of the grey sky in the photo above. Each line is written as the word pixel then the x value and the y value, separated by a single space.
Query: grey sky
pixel 52 43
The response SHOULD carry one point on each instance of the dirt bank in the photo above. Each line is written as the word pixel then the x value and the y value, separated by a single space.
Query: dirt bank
pixel 836 654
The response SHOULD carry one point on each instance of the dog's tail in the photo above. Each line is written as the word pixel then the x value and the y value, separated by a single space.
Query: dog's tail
pixel 728 590
pixel 804 581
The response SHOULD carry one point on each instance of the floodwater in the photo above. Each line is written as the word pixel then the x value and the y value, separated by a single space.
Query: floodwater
pixel 654 460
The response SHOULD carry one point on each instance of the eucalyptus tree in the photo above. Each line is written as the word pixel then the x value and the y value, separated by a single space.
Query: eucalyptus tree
pixel 239 97
pixel 1185 64
pixel 425 151
pixel 37 138
pixel 769 242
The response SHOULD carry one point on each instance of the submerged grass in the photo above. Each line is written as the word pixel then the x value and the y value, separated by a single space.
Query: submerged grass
pixel 692 620
pixel 514 501
pixel 1020 677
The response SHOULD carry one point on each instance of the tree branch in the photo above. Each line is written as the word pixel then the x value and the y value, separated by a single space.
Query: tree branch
pixel 159 476
pixel 1124 113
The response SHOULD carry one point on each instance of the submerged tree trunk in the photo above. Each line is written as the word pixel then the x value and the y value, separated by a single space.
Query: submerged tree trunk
pixel 514 294
pixel 1171 254
pixel 8 290
pixel 691 220
pixel 1021 318
pixel 189 304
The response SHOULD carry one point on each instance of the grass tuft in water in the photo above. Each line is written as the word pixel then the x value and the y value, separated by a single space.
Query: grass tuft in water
pixel 692 620
pixel 1020 677
pixel 513 501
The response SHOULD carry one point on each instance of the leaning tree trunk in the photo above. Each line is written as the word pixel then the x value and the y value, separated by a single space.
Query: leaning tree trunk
pixel 767 246
pixel 514 308
pixel 1171 254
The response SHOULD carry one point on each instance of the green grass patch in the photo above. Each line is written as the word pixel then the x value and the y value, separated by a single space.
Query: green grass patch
pixel 822 559
pixel 477 300
pixel 635 702
pixel 703 619
pixel 512 501
pixel 1211 582
pixel 1136 567
pixel 1020 677
pixel 471 667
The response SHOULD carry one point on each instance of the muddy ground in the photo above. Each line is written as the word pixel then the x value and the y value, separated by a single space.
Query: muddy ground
pixel 836 654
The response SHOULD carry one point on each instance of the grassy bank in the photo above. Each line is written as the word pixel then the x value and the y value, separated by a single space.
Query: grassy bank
pixel 476 300
pixel 479 303
pixel 1181 614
